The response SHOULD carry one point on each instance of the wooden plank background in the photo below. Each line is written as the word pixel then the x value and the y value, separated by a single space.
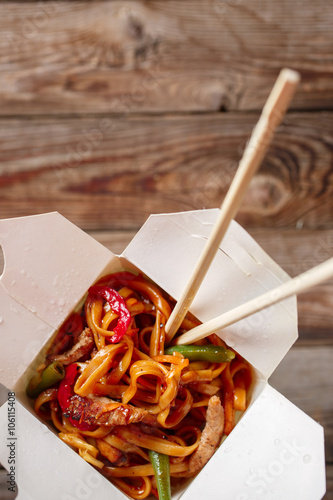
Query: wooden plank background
pixel 112 110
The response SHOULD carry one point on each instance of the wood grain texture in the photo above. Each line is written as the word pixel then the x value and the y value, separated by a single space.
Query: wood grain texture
pixel 63 57
pixel 296 251
pixel 111 173
pixel 329 482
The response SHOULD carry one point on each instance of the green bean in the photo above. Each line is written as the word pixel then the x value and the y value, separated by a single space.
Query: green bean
pixel 161 466
pixel 212 353
pixel 52 374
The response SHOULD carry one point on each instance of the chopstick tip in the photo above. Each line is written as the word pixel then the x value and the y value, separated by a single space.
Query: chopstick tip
pixel 290 75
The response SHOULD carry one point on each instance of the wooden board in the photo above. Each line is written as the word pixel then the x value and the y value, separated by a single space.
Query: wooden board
pixel 111 173
pixel 329 483
pixel 65 57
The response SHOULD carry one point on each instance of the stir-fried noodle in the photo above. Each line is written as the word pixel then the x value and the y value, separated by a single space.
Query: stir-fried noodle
pixel 118 394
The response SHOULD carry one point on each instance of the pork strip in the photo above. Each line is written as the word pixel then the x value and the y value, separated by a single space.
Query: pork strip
pixel 83 346
pixel 211 436
pixel 103 411
pixel 116 457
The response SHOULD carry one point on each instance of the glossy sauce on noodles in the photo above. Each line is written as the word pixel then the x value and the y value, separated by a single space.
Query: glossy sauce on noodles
pixel 123 394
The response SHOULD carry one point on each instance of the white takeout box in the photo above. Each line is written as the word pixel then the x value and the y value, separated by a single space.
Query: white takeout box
pixel 274 452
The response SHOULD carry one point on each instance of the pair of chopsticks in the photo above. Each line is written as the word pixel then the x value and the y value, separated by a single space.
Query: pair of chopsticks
pixel 271 116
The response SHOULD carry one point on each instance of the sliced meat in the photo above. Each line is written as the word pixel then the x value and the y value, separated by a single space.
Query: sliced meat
pixel 103 411
pixel 116 457
pixel 211 436
pixel 83 346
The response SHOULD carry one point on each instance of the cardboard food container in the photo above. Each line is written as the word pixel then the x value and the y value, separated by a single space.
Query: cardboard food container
pixel 274 452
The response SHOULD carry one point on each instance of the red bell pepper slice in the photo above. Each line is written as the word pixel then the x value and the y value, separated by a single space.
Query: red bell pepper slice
pixel 66 391
pixel 117 305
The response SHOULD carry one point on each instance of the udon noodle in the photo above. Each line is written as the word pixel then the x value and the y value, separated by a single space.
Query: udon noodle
pixel 119 394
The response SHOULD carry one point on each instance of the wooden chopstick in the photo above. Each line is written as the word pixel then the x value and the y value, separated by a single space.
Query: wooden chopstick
pixel 297 285
pixel 255 150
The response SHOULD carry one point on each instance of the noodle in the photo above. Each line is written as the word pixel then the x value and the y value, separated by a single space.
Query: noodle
pixel 125 396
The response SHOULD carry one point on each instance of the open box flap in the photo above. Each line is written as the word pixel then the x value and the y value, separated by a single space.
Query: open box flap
pixel 275 452
pixel 49 265
pixel 244 269
pixel 16 323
